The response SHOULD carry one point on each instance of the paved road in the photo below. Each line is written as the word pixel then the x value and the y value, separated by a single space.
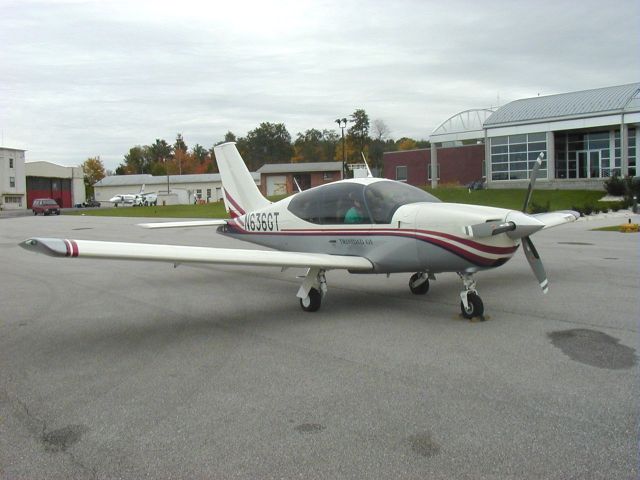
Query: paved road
pixel 111 369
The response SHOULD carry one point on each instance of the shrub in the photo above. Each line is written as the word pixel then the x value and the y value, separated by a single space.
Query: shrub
pixel 615 186
pixel 538 208
pixel 588 209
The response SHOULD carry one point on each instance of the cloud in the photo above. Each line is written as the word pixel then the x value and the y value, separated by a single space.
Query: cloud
pixel 88 78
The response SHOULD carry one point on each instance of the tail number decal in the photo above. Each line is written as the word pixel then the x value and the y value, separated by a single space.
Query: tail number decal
pixel 262 222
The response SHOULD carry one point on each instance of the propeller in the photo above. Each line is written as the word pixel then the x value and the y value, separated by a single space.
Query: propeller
pixel 529 249
pixel 518 225
pixel 536 263
pixel 532 181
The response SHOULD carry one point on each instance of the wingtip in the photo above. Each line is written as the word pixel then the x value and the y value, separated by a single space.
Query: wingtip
pixel 54 247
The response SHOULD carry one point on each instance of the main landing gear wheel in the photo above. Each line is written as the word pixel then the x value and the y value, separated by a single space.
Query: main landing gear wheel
pixel 474 308
pixel 419 283
pixel 311 303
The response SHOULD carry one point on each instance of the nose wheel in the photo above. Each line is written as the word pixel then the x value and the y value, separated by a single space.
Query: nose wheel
pixel 470 302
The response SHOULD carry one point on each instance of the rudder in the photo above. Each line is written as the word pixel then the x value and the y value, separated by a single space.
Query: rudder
pixel 241 193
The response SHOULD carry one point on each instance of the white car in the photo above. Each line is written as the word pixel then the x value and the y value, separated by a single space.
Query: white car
pixel 145 199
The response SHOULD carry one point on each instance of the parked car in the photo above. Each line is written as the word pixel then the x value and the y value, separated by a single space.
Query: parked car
pixel 45 206
pixel 145 200
pixel 91 203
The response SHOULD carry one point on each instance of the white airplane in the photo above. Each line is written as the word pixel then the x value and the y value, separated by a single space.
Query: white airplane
pixel 123 199
pixel 135 199
pixel 365 225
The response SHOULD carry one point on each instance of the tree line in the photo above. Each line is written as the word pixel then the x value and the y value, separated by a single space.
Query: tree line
pixel 267 143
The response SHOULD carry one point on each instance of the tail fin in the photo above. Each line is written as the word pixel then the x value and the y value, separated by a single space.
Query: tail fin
pixel 240 191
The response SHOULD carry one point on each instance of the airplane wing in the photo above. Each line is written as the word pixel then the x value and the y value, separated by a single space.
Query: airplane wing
pixel 57 247
pixel 553 219
pixel 193 223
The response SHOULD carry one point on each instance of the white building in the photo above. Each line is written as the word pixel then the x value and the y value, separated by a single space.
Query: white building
pixel 13 185
pixel 586 136
pixel 50 180
pixel 183 189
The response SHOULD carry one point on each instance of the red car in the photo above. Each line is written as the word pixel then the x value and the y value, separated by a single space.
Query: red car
pixel 45 206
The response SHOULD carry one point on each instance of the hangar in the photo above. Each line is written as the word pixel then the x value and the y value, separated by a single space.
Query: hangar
pixel 182 189
pixel 586 136
pixel 48 180
pixel 278 178
pixel 22 182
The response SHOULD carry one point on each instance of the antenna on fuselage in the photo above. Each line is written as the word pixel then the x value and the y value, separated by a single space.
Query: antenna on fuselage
pixel 364 159
pixel 297 184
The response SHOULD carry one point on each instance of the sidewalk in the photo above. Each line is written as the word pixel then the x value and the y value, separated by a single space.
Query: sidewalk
pixel 15 213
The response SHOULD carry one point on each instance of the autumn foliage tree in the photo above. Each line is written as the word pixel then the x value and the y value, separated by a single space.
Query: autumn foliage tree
pixel 93 172
pixel 269 143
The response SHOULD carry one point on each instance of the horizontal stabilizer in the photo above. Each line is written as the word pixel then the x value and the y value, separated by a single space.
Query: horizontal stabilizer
pixel 194 223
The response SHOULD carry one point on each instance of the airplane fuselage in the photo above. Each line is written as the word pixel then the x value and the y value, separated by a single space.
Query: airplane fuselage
pixel 421 236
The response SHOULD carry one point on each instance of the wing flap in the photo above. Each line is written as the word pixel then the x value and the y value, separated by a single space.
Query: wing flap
pixel 553 219
pixel 57 247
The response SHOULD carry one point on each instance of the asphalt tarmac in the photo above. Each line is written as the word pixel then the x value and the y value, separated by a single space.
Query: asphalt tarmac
pixel 113 369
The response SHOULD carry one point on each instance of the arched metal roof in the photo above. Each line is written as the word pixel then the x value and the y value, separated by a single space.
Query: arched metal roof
pixel 566 105
pixel 463 122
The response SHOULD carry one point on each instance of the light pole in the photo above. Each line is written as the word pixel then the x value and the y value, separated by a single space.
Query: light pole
pixel 342 123
pixel 166 167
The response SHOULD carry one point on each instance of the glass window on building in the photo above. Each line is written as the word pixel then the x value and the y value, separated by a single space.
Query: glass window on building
pixel 633 155
pixel 584 155
pixel 401 173
pixel 514 156
pixel 631 152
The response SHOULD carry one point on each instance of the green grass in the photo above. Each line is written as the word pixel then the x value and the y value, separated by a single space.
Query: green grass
pixel 514 198
pixel 507 198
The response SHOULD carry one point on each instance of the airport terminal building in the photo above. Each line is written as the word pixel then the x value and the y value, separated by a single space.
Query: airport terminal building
pixel 586 137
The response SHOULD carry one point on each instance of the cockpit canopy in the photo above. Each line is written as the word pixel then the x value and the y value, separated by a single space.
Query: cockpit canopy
pixel 352 202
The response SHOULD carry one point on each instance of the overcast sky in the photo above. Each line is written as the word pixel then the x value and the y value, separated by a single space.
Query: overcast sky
pixel 81 78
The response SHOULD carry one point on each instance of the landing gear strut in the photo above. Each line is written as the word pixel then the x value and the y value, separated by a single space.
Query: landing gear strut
pixel 312 290
pixel 470 302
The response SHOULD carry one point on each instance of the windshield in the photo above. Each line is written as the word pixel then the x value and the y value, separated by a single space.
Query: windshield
pixel 384 198
pixel 350 202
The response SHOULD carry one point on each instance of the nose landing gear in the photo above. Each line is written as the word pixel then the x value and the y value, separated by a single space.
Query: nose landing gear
pixel 470 302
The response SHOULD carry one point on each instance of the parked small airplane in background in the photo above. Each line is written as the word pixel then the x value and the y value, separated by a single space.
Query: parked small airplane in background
pixel 365 225
pixel 135 199
pixel 123 199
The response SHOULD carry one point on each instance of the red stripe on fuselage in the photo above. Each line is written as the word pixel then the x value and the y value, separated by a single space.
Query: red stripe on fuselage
pixel 443 242
pixel 405 233
pixel 235 205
